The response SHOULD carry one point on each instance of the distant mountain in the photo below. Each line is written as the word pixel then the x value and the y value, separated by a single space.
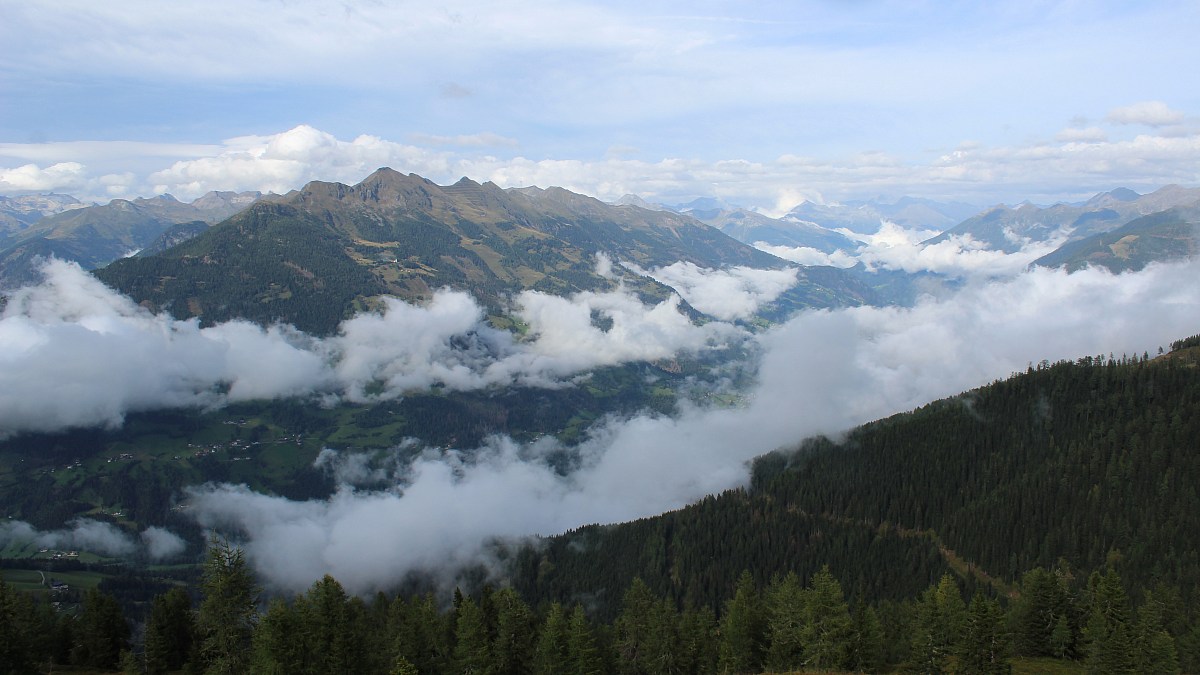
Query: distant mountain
pixel 18 213
pixel 94 236
pixel 865 216
pixel 751 228
pixel 1172 234
pixel 316 255
pixel 1008 229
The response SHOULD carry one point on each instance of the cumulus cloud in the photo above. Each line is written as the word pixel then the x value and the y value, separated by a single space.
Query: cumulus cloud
pixel 75 353
pixel 727 294
pixel 94 536
pixel 822 372
pixel 1148 113
pixel 61 176
pixel 1078 164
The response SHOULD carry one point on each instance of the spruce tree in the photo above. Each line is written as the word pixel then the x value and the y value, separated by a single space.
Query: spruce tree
pixel 512 647
pixel 867 654
pixel 826 633
pixel 1110 639
pixel 170 632
pixel 472 649
pixel 785 622
pixel 984 646
pixel 228 613
pixel 742 629
pixel 551 657
pixel 583 655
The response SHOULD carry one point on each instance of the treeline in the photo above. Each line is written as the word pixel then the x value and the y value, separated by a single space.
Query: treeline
pixel 782 626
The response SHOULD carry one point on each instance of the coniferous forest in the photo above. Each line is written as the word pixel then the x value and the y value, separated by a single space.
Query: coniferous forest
pixel 1046 522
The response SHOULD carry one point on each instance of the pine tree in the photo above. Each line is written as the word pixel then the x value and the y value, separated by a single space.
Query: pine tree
pixel 983 650
pixel 785 622
pixel 102 632
pixel 512 648
pixel 826 634
pixel 550 656
pixel 1155 651
pixel 697 641
pixel 15 647
pixel 633 627
pixel 867 654
pixel 1108 632
pixel 278 645
pixel 742 629
pixel 584 657
pixel 170 632
pixel 937 626
pixel 334 641
pixel 472 649
pixel 228 613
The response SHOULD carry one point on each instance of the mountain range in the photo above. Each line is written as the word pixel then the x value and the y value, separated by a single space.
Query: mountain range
pixel 1009 229
pixel 96 235
pixel 316 255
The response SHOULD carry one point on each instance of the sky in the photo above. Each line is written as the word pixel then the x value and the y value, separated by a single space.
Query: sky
pixel 763 104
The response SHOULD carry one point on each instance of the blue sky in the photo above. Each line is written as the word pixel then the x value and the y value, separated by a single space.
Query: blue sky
pixel 763 103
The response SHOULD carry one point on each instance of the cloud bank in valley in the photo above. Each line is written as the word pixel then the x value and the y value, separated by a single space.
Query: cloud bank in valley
pixel 74 353
pixel 895 247
pixel 156 543
pixel 821 372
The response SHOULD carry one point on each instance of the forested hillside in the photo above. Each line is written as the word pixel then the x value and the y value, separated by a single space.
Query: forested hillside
pixel 1092 463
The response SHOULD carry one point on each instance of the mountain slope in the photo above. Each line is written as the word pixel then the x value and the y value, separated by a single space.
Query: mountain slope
pixel 406 236
pixel 1167 235
pixel 751 228
pixel 96 235
pixel 1008 229
pixel 1091 461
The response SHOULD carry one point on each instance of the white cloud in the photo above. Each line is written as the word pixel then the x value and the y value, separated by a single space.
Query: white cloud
pixel 161 543
pixel 895 247
pixel 727 294
pixel 1148 113
pixel 1077 166
pixel 94 536
pixel 822 372
pixel 75 353
pixel 62 176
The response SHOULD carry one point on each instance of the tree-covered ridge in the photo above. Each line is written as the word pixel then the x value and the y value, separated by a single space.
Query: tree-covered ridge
pixel 1093 462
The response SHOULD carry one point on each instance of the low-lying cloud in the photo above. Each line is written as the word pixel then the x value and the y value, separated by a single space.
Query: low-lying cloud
pixel 822 372
pixel 85 534
pixel 727 294
pixel 75 353
pixel 895 247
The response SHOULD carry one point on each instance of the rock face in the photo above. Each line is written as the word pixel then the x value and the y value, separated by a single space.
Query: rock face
pixel 405 236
